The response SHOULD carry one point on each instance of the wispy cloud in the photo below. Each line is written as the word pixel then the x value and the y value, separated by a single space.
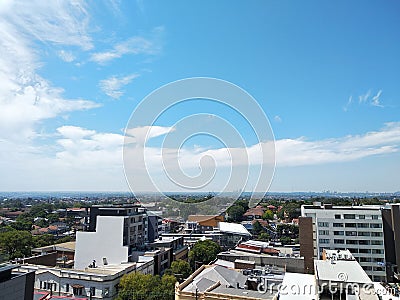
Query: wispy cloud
pixel 376 99
pixel 26 98
pixel 349 102
pixel 365 99
pixel 133 46
pixel 113 85
pixel 66 56
pixel 277 119
pixel 57 22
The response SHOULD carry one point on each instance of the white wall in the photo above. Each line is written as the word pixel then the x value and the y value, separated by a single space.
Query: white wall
pixel 106 242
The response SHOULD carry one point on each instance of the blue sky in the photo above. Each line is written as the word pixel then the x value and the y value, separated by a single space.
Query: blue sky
pixel 325 73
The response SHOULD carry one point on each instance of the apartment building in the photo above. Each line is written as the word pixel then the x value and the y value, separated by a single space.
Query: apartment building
pixel 135 222
pixel 358 229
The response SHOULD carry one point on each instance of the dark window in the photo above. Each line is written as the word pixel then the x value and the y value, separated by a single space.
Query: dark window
pixel 338 217
pixel 364 242
pixel 339 241
pixel 349 216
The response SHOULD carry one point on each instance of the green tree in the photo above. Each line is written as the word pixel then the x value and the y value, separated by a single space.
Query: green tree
pixel 138 286
pixel 203 252
pixel 180 269
pixel 268 215
pixel 16 243
pixel 264 236
pixel 23 222
pixel 257 228
pixel 235 213
pixel 52 218
pixel 42 240
pixel 285 240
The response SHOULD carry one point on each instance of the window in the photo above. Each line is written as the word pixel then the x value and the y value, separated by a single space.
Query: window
pixel 365 251
pixel 352 225
pixel 338 233
pixel 324 241
pixel 92 291
pixel 351 233
pixel 376 234
pixel 377 259
pixel 323 232
pixel 351 242
pixel 349 216
pixel 375 217
pixel 365 259
pixel 379 269
pixel 363 233
pixel 77 290
pixel 362 225
pixel 67 288
pixel 353 250
pixel 106 292
pixel 376 225
pixel 338 216
pixel 361 216
pixel 367 268
pixel 337 224
pixel 364 242
pixel 376 242
pixel 323 224
pixel 338 241
pixel 377 251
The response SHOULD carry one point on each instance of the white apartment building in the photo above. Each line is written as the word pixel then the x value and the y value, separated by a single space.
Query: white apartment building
pixel 356 228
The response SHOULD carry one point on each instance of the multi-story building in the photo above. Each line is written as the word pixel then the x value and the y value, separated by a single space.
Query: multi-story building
pixel 356 228
pixel 134 234
pixel 154 225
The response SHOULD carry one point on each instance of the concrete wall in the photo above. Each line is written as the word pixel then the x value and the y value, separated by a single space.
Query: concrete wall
pixel 105 242
pixel 49 259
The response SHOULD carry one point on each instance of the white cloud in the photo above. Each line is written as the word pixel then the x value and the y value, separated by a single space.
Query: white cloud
pixel 376 99
pixel 86 159
pixel 26 98
pixel 134 45
pixel 366 99
pixel 363 98
pixel 277 119
pixel 66 56
pixel 58 22
pixel 113 85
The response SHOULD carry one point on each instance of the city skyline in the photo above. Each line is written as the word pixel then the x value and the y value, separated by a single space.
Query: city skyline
pixel 325 75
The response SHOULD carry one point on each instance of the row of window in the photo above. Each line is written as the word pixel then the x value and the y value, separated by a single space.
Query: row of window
pixel 353 216
pixel 351 233
pixel 351 225
pixel 77 291
pixel 351 242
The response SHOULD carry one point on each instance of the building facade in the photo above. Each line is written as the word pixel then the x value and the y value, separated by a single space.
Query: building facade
pixel 356 228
